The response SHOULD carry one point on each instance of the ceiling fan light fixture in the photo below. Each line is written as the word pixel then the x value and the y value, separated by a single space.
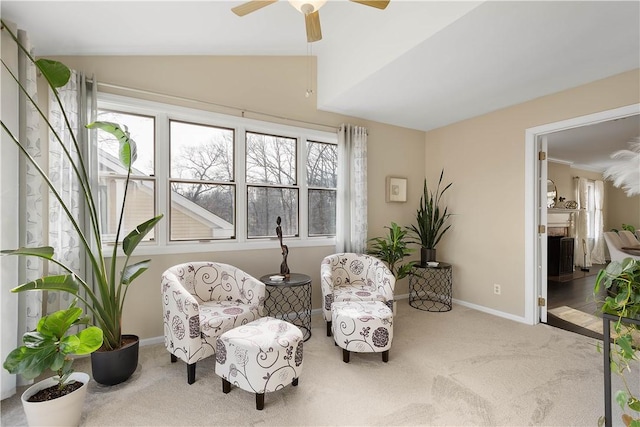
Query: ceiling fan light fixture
pixel 307 6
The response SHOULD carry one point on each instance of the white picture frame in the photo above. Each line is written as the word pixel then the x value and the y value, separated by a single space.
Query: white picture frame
pixel 396 189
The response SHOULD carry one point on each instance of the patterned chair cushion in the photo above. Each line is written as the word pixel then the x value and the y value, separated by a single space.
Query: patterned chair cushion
pixel 202 300
pixel 354 277
pixel 262 356
pixel 362 327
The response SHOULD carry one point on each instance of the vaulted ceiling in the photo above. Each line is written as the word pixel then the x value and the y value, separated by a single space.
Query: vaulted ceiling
pixel 416 64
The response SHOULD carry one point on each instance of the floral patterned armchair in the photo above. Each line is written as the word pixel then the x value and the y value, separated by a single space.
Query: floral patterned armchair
pixel 201 301
pixel 354 277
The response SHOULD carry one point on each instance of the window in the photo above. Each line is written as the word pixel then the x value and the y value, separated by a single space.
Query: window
pixel 272 184
pixel 322 180
pixel 202 196
pixel 112 175
pixel 218 179
pixel 591 210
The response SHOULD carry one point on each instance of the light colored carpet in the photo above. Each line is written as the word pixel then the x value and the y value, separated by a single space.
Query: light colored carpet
pixel 462 367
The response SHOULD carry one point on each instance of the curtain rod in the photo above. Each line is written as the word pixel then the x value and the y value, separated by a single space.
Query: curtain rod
pixel 182 98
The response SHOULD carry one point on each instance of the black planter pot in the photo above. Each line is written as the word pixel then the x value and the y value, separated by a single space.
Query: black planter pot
pixel 116 366
pixel 426 255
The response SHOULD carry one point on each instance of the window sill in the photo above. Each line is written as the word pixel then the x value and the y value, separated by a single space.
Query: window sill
pixel 147 249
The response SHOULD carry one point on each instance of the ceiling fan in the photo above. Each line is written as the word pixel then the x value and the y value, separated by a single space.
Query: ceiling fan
pixel 309 8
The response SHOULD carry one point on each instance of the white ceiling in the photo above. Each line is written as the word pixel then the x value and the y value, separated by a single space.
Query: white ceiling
pixel 417 64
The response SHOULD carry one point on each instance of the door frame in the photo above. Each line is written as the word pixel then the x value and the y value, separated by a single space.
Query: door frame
pixel 535 264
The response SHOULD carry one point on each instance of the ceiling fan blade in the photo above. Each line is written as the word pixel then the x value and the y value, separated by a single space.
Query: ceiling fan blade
pixel 378 4
pixel 251 6
pixel 312 22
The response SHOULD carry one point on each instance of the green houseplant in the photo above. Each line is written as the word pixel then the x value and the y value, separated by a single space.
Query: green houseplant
pixel 51 347
pixel 431 221
pixel 105 298
pixel 621 280
pixel 392 249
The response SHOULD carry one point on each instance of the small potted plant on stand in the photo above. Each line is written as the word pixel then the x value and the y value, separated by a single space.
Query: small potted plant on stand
pixel 117 360
pixel 58 400
pixel 622 283
pixel 431 222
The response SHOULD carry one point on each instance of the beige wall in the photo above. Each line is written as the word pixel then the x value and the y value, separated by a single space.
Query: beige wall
pixel 273 85
pixel 484 157
pixel 621 209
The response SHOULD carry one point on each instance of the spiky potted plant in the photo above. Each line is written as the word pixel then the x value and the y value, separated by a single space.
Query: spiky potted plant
pixel 57 400
pixel 431 221
pixel 114 362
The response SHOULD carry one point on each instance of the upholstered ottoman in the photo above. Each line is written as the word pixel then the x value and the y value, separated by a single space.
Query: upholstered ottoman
pixel 362 327
pixel 262 356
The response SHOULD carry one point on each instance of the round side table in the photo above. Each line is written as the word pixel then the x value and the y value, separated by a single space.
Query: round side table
pixel 430 287
pixel 290 300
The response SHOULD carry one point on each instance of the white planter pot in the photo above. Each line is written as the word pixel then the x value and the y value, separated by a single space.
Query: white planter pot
pixel 63 411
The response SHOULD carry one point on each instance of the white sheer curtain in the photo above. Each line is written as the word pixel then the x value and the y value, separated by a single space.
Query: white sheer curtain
pixel 31 206
pixel 62 236
pixel 352 236
pixel 597 252
pixel 582 256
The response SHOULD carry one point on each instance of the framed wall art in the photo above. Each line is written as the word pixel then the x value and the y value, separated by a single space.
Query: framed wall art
pixel 396 189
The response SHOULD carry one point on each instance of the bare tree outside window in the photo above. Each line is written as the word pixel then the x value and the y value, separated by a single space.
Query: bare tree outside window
pixel 271 168
pixel 202 193
pixel 322 180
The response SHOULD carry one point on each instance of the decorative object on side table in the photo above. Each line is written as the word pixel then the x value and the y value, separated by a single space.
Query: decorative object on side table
pixel 622 306
pixel 102 289
pixel 284 268
pixel 58 400
pixel 431 221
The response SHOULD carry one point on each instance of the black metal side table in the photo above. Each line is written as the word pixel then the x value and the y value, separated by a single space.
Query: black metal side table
pixel 430 287
pixel 290 300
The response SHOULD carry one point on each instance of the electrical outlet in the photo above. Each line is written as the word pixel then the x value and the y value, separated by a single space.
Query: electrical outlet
pixel 496 289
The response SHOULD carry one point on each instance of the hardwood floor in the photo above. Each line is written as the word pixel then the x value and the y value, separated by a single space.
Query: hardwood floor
pixel 576 293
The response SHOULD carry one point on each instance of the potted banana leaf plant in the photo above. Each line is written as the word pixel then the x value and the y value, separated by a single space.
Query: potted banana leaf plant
pixel 57 400
pixel 431 221
pixel 114 362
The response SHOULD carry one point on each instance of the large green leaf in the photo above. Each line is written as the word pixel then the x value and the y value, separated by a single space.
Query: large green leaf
pixel 128 151
pixel 64 282
pixel 90 340
pixel 134 270
pixel 42 252
pixel 58 323
pixel 131 241
pixel 56 73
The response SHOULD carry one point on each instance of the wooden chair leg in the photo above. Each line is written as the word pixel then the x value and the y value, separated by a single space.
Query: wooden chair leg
pixel 259 401
pixel 345 355
pixel 191 373
pixel 226 386
pixel 174 358
pixel 385 356
pixel 294 382
pixel 329 328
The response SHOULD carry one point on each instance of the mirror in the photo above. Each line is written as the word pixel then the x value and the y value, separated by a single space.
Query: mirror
pixel 552 193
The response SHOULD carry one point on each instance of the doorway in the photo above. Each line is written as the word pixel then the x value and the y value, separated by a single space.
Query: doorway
pixel 535 205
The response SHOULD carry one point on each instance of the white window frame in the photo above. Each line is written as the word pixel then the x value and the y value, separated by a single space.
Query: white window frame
pixel 163 113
